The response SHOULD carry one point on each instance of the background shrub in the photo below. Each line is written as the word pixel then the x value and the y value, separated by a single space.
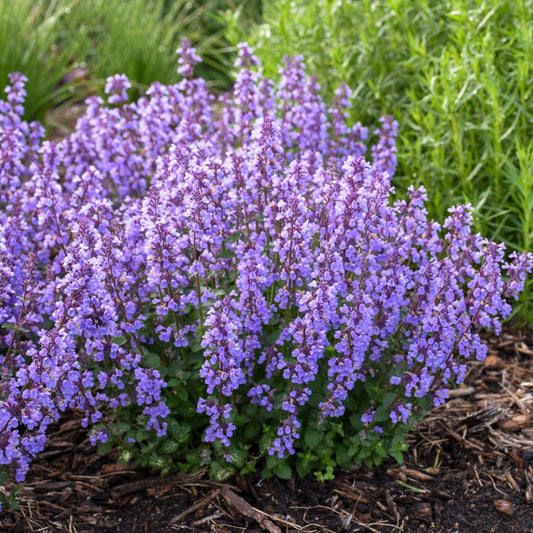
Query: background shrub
pixel 67 48
pixel 33 41
pixel 455 73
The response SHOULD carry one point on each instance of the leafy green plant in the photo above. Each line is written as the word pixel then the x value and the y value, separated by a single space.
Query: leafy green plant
pixel 52 41
pixel 30 33
pixel 11 490
pixel 455 73
pixel 139 38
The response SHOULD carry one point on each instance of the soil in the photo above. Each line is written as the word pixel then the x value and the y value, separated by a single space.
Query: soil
pixel 469 469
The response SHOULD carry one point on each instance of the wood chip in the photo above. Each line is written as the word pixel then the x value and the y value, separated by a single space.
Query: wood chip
pixel 351 493
pixel 515 423
pixel 529 494
pixel 523 349
pixel 117 468
pixel 511 480
pixel 422 511
pixel 504 506
pixel 415 474
pixel 206 519
pixel 143 484
pixel 492 361
pixel 194 507
pixel 393 508
pixel 458 437
pixel 461 391
pixel 51 486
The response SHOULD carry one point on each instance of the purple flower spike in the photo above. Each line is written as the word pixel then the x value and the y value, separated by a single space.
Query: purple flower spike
pixel 116 87
pixel 187 58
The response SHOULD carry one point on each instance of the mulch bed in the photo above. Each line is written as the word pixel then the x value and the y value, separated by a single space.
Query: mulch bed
pixel 469 469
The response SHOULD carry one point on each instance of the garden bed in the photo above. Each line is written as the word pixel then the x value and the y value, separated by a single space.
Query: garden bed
pixel 224 286
pixel 469 468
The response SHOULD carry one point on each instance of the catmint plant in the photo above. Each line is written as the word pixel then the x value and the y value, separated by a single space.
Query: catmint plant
pixel 227 281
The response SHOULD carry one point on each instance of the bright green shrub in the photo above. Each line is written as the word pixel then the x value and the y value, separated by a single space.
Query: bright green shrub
pixel 455 73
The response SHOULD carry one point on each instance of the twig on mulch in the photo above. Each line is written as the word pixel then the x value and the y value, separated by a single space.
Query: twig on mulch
pixel 143 484
pixel 251 512
pixel 195 507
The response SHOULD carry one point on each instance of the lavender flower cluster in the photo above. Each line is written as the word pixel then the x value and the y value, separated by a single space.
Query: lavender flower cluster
pixel 188 218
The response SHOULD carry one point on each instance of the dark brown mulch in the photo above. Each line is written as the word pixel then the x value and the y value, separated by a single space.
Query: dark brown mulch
pixel 469 469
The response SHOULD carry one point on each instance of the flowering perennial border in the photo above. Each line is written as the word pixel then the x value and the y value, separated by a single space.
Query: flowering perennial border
pixel 236 254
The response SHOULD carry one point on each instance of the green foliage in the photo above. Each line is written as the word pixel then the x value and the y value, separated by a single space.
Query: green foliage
pixel 325 445
pixel 66 48
pixel 139 38
pixel 7 498
pixel 31 31
pixel 455 73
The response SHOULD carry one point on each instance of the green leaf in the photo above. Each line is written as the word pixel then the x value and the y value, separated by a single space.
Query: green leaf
pixel 355 421
pixel 398 441
pixel 4 475
pixel 174 370
pixel 173 427
pixel 268 339
pixel 370 388
pixel 125 456
pixel 158 462
pixel 303 468
pixel 105 447
pixel 388 399
pixel 152 360
pixel 381 414
pixel 323 450
pixel 283 471
pixel 15 328
pixel 265 443
pixel 196 345
pixel 170 447
pixel 272 462
pixel 397 454
pixel 182 394
pixel 179 431
pixel 380 450
pixel 186 410
pixel 248 468
pixel 325 475
pixel 266 473
pixel 343 456
pixel 227 254
pixel 424 403
pixel 141 435
pixel 313 437
pixel 238 456
pixel 251 430
pixel 368 462
pixel 221 472
pixel 119 340
pixel 120 428
pixel 11 502
pixel 194 457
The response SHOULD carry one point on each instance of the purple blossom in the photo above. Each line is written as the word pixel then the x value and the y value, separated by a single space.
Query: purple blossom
pixel 116 87
pixel 187 58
